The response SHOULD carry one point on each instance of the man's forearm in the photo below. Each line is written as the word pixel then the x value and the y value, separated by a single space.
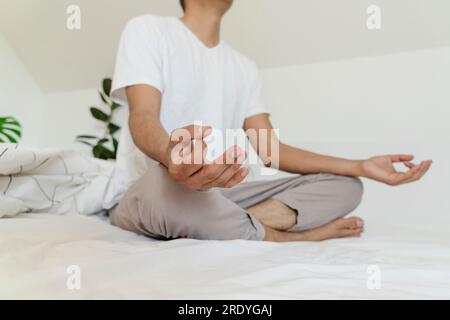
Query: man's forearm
pixel 146 130
pixel 380 168
pixel 150 137
pixel 295 160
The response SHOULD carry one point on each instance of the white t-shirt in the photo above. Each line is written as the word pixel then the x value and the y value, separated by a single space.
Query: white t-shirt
pixel 218 87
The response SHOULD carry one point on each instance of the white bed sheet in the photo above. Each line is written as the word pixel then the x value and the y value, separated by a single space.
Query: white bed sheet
pixel 36 250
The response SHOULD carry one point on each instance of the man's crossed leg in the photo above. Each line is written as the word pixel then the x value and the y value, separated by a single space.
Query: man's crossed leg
pixel 308 208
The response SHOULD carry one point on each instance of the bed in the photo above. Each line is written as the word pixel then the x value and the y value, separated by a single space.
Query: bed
pixel 405 253
pixel 36 252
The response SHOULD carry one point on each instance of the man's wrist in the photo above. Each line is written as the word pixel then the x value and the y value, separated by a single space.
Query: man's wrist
pixel 165 154
pixel 357 168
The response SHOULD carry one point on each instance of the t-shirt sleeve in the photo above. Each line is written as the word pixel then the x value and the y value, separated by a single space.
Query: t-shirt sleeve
pixel 255 103
pixel 139 59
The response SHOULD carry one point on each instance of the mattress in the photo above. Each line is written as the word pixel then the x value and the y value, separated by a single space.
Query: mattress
pixel 392 260
pixel 405 252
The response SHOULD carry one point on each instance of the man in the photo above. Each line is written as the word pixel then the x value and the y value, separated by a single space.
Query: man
pixel 173 73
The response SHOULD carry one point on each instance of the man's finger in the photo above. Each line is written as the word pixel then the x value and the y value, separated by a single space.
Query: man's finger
pixel 424 168
pixel 208 173
pixel 195 152
pixel 402 158
pixel 187 134
pixel 212 171
pixel 188 160
pixel 234 155
pixel 409 165
pixel 427 168
pixel 232 158
pixel 238 178
pixel 400 177
pixel 193 158
pixel 224 178
pixel 416 175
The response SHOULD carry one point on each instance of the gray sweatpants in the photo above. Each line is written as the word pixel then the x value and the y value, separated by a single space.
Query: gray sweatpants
pixel 157 207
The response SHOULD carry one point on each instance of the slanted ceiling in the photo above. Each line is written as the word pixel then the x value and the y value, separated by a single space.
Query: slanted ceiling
pixel 275 33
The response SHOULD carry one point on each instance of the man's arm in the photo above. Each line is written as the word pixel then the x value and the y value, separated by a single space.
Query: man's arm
pixel 146 129
pixel 151 138
pixel 300 161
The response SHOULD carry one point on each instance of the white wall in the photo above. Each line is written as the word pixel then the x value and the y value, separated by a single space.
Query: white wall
pixel 394 97
pixel 72 108
pixel 21 97
pixel 48 120
pixel 288 33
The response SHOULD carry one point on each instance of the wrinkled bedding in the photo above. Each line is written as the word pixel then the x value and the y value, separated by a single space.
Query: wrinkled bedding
pixel 51 181
pixel 36 250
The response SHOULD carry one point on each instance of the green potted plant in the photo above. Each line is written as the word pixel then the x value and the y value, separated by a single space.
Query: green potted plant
pixel 10 130
pixel 104 147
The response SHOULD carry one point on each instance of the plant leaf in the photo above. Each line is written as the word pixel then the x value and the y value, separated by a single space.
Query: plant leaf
pixel 113 128
pixel 103 97
pixel 102 141
pixel 102 152
pixel 116 146
pixel 9 137
pixel 17 132
pixel 86 137
pixel 107 84
pixel 86 143
pixel 10 121
pixel 97 152
pixel 115 106
pixel 99 115
pixel 10 129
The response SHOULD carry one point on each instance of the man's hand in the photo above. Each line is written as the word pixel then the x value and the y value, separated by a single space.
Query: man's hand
pixel 382 169
pixel 186 163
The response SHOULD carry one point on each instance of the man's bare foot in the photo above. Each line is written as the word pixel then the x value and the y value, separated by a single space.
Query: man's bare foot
pixel 275 215
pixel 341 228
